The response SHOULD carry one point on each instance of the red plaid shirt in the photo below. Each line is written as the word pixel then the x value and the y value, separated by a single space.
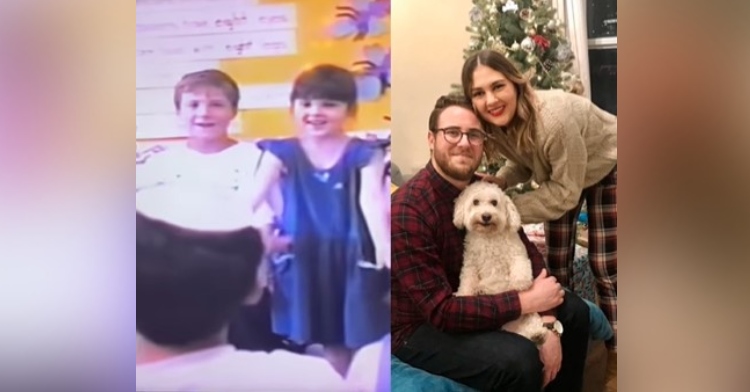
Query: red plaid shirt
pixel 427 260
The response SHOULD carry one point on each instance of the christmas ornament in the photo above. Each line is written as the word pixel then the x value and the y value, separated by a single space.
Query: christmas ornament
pixel 564 53
pixel 548 64
pixel 510 6
pixel 500 47
pixel 541 42
pixel 476 15
pixel 530 31
pixel 526 15
pixel 515 46
pixel 577 87
pixel 552 25
pixel 531 59
pixel 528 44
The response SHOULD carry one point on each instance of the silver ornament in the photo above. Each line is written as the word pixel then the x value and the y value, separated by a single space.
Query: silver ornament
pixel 526 15
pixel 528 44
pixel 476 15
pixel 564 53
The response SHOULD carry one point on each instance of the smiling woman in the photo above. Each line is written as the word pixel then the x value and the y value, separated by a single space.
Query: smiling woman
pixel 568 146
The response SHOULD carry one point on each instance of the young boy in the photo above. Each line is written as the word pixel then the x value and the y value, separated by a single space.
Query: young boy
pixel 194 270
pixel 220 169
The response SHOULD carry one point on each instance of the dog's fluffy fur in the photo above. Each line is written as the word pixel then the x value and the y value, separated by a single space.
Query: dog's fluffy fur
pixel 495 257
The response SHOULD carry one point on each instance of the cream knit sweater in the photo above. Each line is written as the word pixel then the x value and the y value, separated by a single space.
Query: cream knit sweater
pixel 576 147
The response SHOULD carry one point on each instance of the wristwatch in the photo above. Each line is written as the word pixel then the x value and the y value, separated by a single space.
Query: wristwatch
pixel 556 327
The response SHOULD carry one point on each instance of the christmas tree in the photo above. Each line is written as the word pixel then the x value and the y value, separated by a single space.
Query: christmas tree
pixel 529 34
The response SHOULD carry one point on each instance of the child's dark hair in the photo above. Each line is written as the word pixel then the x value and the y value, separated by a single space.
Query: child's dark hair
pixel 189 284
pixel 328 82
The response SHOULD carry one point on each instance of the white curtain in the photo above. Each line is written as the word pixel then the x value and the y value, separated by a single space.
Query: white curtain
pixel 573 14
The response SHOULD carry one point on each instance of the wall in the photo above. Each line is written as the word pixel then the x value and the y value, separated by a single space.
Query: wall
pixel 427 60
pixel 315 45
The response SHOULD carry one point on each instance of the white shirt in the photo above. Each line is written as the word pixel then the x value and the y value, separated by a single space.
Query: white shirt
pixel 226 177
pixel 227 369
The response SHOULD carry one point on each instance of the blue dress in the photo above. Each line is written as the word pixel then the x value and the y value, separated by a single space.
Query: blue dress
pixel 321 294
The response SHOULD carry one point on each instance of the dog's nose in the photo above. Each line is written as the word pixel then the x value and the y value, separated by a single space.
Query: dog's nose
pixel 486 218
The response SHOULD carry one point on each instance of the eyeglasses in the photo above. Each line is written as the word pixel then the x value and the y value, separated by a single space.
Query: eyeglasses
pixel 453 135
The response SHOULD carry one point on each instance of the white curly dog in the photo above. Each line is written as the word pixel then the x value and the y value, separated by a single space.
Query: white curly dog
pixel 495 258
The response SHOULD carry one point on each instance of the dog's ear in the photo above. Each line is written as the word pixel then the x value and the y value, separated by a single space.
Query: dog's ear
pixel 514 218
pixel 459 211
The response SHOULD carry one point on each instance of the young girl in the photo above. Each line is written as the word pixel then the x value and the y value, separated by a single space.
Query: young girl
pixel 330 290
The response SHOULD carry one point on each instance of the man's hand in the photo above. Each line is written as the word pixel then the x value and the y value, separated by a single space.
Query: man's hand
pixel 494 180
pixel 551 355
pixel 545 294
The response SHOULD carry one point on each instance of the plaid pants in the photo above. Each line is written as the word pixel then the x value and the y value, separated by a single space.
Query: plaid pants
pixel 601 200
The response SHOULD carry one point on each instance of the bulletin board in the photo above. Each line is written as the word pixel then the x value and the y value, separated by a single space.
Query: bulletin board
pixel 263 45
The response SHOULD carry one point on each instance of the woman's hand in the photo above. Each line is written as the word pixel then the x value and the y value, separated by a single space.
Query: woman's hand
pixel 494 180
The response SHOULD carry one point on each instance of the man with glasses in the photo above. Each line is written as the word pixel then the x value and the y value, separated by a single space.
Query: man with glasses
pixel 459 337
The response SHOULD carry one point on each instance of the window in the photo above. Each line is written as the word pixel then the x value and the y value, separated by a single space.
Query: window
pixel 602 18
pixel 603 69
pixel 602 33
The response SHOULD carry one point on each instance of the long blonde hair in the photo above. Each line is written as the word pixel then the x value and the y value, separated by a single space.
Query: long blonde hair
pixel 523 127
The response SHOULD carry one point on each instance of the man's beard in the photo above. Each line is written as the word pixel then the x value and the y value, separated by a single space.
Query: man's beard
pixel 442 159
